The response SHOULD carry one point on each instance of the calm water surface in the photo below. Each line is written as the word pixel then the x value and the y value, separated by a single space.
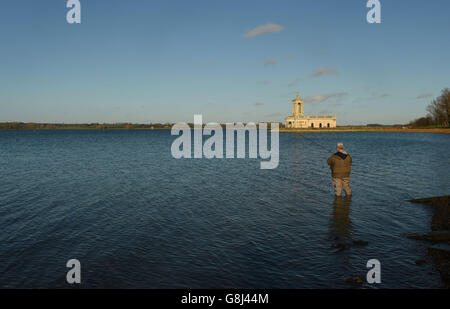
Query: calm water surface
pixel 136 217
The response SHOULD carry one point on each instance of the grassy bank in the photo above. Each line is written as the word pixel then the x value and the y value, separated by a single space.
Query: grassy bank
pixel 166 126
pixel 369 129
pixel 84 126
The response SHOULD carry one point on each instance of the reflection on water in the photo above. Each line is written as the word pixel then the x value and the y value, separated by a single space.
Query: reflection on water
pixel 341 224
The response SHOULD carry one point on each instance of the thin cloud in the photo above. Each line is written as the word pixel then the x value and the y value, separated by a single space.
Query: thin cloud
pixel 264 82
pixel 383 95
pixel 323 71
pixel 273 115
pixel 323 97
pixel 263 29
pixel 320 71
pixel 293 83
pixel 336 104
pixel 270 61
pixel 259 103
pixel 321 52
pixel 424 96
pixel 325 112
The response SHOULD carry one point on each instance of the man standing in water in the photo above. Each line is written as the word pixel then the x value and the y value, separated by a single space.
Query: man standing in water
pixel 341 166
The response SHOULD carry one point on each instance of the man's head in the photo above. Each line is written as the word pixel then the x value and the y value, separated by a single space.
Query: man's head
pixel 340 147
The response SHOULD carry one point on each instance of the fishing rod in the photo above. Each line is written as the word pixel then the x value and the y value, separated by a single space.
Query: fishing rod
pixel 353 171
pixel 321 146
pixel 314 142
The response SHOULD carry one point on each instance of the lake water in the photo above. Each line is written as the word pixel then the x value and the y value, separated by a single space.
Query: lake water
pixel 135 217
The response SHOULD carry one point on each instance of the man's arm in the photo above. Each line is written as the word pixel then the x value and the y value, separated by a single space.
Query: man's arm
pixel 330 161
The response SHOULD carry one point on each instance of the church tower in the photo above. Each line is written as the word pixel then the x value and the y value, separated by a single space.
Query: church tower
pixel 298 119
pixel 297 107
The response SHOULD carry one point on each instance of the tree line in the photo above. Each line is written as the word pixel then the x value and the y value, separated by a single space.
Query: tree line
pixel 438 112
pixel 85 126
pixel 92 126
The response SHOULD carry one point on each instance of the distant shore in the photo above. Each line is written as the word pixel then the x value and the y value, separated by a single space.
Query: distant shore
pixel 370 129
pixel 82 126
pixel 165 126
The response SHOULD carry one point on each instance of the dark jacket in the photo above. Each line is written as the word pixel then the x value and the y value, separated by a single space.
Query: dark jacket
pixel 340 164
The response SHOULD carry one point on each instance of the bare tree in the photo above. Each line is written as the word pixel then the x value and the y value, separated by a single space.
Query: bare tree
pixel 439 109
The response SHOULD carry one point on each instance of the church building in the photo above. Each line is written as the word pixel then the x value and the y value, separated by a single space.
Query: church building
pixel 299 120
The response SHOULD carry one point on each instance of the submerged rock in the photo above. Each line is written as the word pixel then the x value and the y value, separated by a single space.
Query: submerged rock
pixel 414 236
pixel 441 259
pixel 360 243
pixel 341 247
pixel 420 262
pixel 433 237
pixel 355 280
pixel 440 234
pixel 441 206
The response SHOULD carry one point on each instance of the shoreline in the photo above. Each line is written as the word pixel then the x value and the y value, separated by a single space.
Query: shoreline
pixel 103 127
pixel 369 129
pixel 438 238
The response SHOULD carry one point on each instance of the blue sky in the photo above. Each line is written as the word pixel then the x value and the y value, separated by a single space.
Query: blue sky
pixel 164 61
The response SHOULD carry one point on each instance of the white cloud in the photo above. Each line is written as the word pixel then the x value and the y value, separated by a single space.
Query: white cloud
pixel 264 29
pixel 323 97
